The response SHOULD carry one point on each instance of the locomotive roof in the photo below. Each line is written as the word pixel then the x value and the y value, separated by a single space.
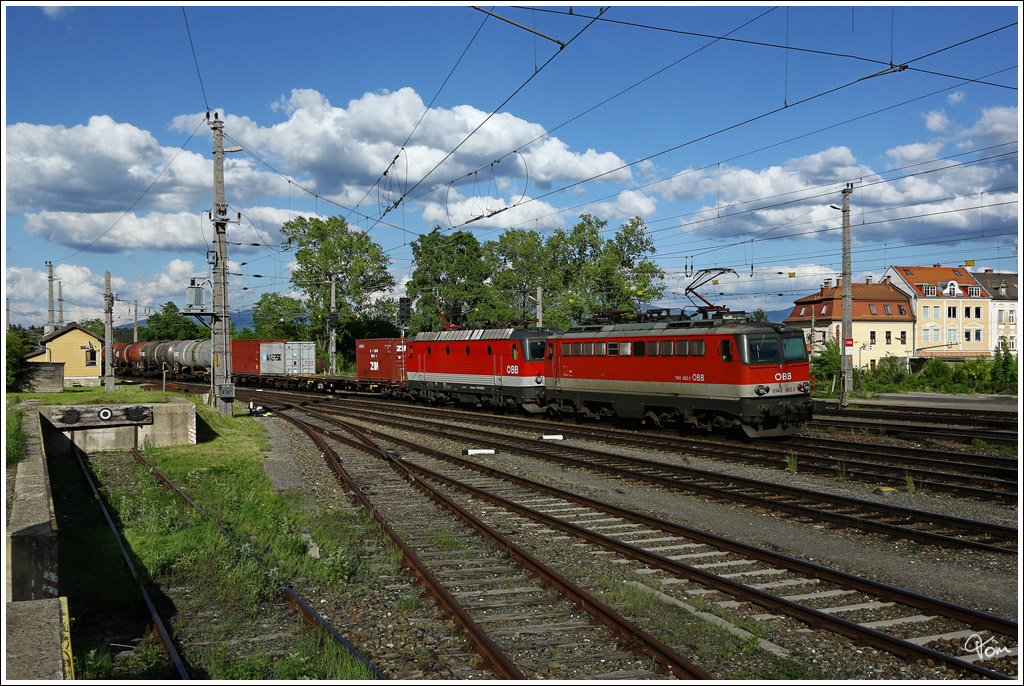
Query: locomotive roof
pixel 728 323
pixel 482 334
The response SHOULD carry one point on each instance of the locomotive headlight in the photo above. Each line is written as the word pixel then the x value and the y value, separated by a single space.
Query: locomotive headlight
pixel 804 387
pixel 539 379
pixel 762 390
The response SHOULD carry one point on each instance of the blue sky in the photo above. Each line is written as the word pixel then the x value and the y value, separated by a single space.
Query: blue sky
pixel 729 129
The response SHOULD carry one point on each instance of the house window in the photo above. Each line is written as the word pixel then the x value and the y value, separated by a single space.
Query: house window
pixel 908 272
pixel 928 290
pixel 824 309
pixel 974 291
pixel 977 335
pixel 977 313
pixel 872 308
pixel 90 358
pixel 901 309
pixel 871 336
pixel 926 312
pixel 951 336
pixel 802 310
pixel 967 313
pixel 888 337
pixel 926 335
pixel 951 312
pixel 1013 342
pixel 1013 316
pixel 967 336
pixel 903 338
pixel 957 272
pixel 888 310
pixel 1001 316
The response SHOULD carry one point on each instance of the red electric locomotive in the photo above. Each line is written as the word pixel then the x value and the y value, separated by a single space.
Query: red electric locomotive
pixel 729 371
pixel 498 368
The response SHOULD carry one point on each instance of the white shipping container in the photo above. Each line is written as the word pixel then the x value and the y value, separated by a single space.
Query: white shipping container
pixel 300 358
pixel 272 359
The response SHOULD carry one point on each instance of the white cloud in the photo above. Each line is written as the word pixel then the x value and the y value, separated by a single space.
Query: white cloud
pixel 628 204
pixel 936 121
pixel 956 97
pixel 913 153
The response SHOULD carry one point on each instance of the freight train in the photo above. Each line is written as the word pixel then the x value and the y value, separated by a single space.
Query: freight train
pixel 728 372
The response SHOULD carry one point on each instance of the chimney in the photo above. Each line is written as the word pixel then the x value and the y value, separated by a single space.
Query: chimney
pixel 885 279
pixel 867 280
pixel 1002 290
pixel 988 271
pixel 828 283
pixel 937 265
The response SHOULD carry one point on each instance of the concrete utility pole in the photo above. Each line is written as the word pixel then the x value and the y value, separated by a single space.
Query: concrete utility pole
pixel 224 390
pixel 49 326
pixel 847 296
pixel 108 330
pixel 333 321
pixel 135 329
pixel 540 308
pixel 60 304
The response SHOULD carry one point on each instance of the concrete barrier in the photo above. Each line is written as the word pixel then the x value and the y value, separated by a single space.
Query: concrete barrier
pixel 174 423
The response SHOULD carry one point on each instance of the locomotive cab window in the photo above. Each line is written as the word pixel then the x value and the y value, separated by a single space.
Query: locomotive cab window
pixel 535 350
pixel 515 351
pixel 577 349
pixel 725 350
pixel 682 348
pixel 567 349
pixel 652 348
pixel 697 347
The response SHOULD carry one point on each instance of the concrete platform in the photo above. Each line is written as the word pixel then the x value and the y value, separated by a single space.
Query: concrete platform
pixel 938 401
pixel 38 641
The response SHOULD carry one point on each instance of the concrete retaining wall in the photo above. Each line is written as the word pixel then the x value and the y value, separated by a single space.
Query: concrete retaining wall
pixel 174 423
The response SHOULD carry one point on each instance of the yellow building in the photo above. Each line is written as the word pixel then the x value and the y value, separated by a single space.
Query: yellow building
pixel 952 311
pixel 78 348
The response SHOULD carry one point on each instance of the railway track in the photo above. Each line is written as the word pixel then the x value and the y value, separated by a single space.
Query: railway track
pixel 888 520
pixel 680 564
pixel 511 606
pixel 977 476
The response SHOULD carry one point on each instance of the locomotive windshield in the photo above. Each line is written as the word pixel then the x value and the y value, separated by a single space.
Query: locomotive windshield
pixel 535 350
pixel 771 348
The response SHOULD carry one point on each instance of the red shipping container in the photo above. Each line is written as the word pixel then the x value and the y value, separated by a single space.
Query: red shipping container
pixel 245 354
pixel 380 360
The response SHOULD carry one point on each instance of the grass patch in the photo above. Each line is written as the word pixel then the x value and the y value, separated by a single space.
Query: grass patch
pixel 176 546
pixel 15 438
pixel 791 462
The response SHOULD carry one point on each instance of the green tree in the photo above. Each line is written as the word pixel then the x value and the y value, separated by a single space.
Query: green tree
pixel 450 282
pixel 827 364
pixel 280 316
pixel 760 315
pixel 596 275
pixel 17 344
pixel 169 325
pixel 331 248
pixel 519 264
pixel 1004 365
pixel 97 326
